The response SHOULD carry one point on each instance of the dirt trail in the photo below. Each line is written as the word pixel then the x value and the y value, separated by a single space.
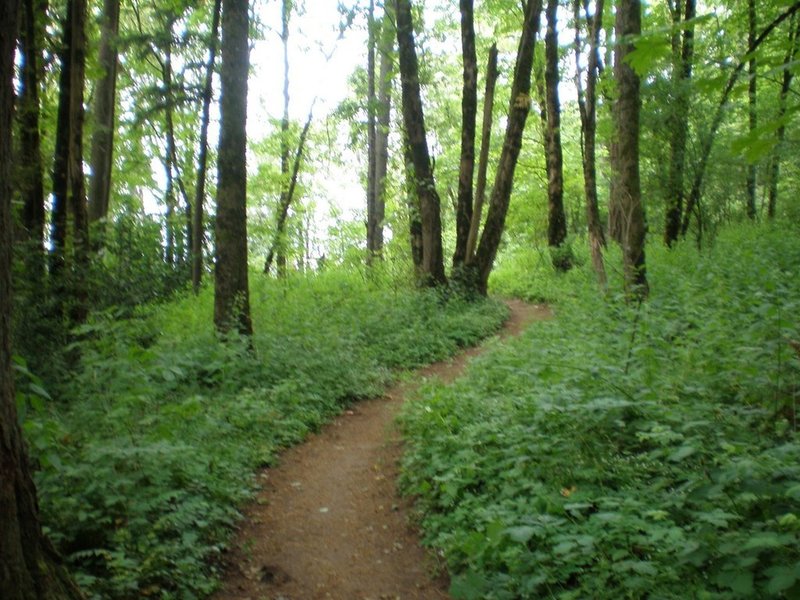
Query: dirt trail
pixel 328 524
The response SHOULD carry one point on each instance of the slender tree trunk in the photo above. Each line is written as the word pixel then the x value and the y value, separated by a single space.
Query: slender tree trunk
pixel 679 120
pixel 557 220
pixel 413 118
pixel 708 140
pixel 198 229
pixel 517 115
pixel 587 105
pixel 30 167
pixel 372 105
pixel 385 50
pixel 483 159
pixel 469 108
pixel 29 567
pixel 102 151
pixel 780 134
pixel 626 123
pixel 169 152
pixel 285 200
pixel 752 106
pixel 231 290
pixel 287 197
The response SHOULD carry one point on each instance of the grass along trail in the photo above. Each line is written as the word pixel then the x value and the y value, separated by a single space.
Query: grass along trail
pixel 328 523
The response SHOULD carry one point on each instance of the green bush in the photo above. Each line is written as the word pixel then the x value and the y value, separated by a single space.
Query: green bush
pixel 624 452
pixel 151 442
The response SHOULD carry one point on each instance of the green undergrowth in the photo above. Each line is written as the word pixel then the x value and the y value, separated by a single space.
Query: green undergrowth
pixel 627 452
pixel 145 452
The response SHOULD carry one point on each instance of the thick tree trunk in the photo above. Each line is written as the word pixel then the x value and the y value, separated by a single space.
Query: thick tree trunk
pixel 469 108
pixel 626 124
pixel 483 159
pixel 587 104
pixel 29 165
pixel 557 220
pixel 751 106
pixel 413 118
pixel 231 290
pixel 29 567
pixel 679 119
pixel 780 134
pixel 102 152
pixel 414 219
pixel 198 229
pixel 708 140
pixel 518 109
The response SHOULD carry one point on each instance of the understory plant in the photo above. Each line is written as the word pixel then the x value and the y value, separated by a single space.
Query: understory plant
pixel 148 447
pixel 627 451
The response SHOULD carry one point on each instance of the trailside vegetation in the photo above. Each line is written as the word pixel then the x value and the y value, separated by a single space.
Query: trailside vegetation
pixel 625 451
pixel 147 450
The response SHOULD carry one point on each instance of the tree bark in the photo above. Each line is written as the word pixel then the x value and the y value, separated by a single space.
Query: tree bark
pixel 626 125
pixel 557 220
pixel 483 158
pixel 414 219
pixel 231 290
pixel 751 106
pixel 285 200
pixel 679 119
pixel 198 229
pixel 29 165
pixel 432 268
pixel 372 105
pixel 780 134
pixel 587 105
pixel 518 109
pixel 102 151
pixel 29 567
pixel 385 50
pixel 469 108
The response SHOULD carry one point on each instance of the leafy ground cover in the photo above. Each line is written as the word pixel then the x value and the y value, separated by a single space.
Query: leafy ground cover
pixel 626 452
pixel 146 450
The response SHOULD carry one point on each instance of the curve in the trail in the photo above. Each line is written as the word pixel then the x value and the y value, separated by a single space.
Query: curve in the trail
pixel 328 523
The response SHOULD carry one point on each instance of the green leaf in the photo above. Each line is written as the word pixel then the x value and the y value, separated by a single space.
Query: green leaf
pixel 521 534
pixel 469 586
pixel 781 579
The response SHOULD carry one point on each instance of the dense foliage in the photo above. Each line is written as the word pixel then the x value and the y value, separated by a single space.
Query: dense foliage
pixel 627 451
pixel 147 450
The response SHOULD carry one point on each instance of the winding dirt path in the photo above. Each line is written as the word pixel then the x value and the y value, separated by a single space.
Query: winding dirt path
pixel 328 523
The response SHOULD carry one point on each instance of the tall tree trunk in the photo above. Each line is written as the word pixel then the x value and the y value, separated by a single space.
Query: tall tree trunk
pixel 414 121
pixel 169 151
pixel 414 219
pixel 557 220
pixel 483 158
pixel 679 118
pixel 751 106
pixel 587 105
pixel 231 290
pixel 30 167
pixel 285 200
pixel 385 51
pixel 518 109
pixel 29 567
pixel 372 105
pixel 198 229
pixel 780 134
pixel 708 141
pixel 469 108
pixel 626 124
pixel 102 151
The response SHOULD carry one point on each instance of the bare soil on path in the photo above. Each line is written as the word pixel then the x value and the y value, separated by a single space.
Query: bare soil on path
pixel 328 522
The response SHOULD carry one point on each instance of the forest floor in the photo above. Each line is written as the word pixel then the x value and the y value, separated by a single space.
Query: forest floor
pixel 328 523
